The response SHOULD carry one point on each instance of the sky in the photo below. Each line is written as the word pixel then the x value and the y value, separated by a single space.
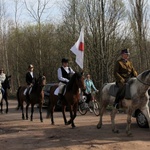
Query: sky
pixel 51 13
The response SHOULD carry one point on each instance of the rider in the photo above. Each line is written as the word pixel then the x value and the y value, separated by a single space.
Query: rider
pixel 123 71
pixel 64 73
pixel 30 79
pixel 2 79
pixel 89 86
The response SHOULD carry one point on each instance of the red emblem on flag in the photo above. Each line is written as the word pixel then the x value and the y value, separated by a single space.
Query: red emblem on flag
pixel 81 46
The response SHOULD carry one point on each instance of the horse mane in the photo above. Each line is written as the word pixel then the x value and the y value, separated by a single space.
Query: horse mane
pixel 70 84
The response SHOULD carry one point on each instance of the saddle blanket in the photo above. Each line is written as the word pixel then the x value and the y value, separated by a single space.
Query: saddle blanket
pixel 114 88
pixel 56 91
pixel 25 91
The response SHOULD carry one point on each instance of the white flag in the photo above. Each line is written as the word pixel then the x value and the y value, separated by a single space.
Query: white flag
pixel 78 49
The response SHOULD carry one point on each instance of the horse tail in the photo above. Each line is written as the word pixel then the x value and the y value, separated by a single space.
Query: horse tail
pixel 18 98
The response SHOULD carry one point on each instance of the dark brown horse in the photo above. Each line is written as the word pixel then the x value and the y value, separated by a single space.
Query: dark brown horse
pixel 35 97
pixel 70 99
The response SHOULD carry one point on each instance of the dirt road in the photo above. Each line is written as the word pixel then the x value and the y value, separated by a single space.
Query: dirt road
pixel 18 134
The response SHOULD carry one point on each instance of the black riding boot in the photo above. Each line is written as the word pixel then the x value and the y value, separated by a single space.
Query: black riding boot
pixel 59 102
pixel 119 96
pixel 27 96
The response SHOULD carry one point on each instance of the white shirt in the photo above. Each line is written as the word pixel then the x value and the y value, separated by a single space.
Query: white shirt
pixel 2 77
pixel 31 73
pixel 59 74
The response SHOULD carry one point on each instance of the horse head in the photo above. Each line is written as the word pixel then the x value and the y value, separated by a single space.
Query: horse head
pixel 41 81
pixel 78 80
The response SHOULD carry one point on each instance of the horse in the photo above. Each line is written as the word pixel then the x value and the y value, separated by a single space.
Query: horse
pixel 36 96
pixel 5 86
pixel 70 99
pixel 139 99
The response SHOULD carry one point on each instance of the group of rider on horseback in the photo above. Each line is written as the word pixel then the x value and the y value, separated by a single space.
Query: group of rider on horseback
pixel 123 71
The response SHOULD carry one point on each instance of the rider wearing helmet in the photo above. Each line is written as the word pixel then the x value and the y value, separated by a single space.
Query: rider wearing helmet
pixel 30 80
pixel 123 71
pixel 64 74
pixel 30 76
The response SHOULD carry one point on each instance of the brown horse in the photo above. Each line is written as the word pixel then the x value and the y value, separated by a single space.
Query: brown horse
pixel 71 98
pixel 35 97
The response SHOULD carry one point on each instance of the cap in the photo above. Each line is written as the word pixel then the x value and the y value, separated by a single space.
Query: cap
pixel 30 66
pixel 125 51
pixel 64 60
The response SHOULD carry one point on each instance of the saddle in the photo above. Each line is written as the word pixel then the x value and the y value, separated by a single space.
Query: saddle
pixel 114 89
pixel 56 92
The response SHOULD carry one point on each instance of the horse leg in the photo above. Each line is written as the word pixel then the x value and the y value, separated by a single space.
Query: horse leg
pixel 113 115
pixel 6 100
pixel 101 110
pixel 64 115
pixel 71 117
pixel 22 108
pixel 129 114
pixel 40 111
pixel 2 106
pixel 146 112
pixel 32 111
pixel 27 106
pixel 52 114
pixel 74 115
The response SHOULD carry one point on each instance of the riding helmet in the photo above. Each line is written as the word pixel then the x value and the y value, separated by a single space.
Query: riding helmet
pixel 64 60
pixel 30 66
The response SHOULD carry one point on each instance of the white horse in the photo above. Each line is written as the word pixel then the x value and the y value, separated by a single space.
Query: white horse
pixel 139 99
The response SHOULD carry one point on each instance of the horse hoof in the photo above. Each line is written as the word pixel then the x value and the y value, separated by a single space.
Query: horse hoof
pixel 52 123
pixel 129 134
pixel 41 120
pixel 115 131
pixel 73 127
pixel 99 126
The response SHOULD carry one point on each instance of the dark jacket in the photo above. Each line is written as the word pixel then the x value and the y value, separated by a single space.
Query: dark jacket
pixel 123 71
pixel 30 79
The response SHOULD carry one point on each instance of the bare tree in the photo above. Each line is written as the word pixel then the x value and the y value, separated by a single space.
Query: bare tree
pixel 139 26
pixel 36 11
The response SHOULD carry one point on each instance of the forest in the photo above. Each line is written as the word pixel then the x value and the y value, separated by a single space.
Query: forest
pixel 109 27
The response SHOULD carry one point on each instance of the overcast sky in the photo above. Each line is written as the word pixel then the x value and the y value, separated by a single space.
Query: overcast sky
pixel 52 11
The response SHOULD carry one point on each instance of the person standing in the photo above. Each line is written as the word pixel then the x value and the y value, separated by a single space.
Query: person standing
pixel 64 74
pixel 123 71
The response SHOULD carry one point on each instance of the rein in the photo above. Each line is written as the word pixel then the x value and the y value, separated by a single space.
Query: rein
pixel 143 82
